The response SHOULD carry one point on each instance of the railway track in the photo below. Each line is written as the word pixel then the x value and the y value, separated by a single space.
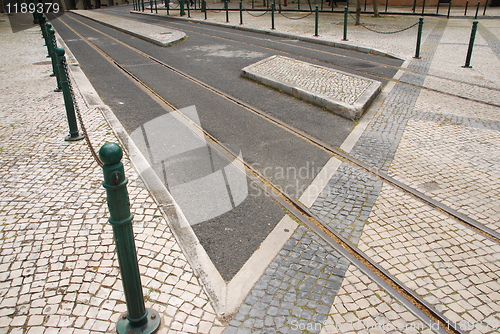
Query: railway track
pixel 417 305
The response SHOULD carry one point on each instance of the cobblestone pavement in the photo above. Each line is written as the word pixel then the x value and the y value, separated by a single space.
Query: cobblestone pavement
pixel 59 274
pixel 58 270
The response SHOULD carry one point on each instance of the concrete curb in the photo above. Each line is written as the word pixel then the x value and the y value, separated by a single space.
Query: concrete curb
pixel 177 37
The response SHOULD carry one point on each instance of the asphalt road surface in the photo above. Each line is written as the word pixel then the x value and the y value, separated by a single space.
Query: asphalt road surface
pixel 237 223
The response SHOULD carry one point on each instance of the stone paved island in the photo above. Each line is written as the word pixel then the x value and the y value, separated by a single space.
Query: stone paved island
pixel 345 94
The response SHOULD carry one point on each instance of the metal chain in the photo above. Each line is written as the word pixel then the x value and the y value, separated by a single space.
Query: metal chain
pixel 296 18
pixel 383 32
pixel 246 10
pixel 79 116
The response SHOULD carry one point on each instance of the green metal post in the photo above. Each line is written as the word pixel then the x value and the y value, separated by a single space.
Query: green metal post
pixel 485 5
pixel 205 8
pixel 477 9
pixel 68 98
pixel 156 6
pixel 241 12
pixel 182 12
pixel 449 9
pixel 46 36
pixel 471 44
pixel 41 21
pixel 138 319
pixel 226 8
pixel 188 5
pixel 316 22
pixel 52 46
pixel 151 5
pixel 419 37
pixel 466 6
pixel 272 16
pixel 423 7
pixel 167 4
pixel 346 13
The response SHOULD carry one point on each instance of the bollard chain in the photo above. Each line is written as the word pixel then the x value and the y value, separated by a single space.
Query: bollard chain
pixel 382 32
pixel 79 116
pixel 297 18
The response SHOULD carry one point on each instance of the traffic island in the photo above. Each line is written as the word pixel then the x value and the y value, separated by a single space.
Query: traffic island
pixel 344 94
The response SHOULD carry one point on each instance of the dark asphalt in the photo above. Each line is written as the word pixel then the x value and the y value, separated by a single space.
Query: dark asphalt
pixel 231 238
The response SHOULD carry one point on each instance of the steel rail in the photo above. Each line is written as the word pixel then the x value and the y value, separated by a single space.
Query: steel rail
pixel 382 277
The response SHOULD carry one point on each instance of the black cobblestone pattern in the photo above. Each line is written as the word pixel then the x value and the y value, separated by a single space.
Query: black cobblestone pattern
pixel 297 289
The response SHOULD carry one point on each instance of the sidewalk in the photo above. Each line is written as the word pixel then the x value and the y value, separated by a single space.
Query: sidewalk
pixel 58 269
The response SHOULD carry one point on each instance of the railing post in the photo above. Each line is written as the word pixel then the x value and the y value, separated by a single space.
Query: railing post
pixel 346 13
pixel 272 16
pixel 226 8
pixel 138 318
pixel 46 36
pixel 241 12
pixel 74 135
pixel 53 57
pixel 316 21
pixel 477 9
pixel 471 44
pixel 181 4
pixel 423 7
pixel 419 37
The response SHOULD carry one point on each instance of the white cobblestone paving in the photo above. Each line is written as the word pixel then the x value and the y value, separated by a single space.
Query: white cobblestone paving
pixel 456 164
pixel 446 263
pixel 58 270
pixel 362 307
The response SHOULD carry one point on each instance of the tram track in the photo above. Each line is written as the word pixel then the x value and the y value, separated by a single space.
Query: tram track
pixel 406 296
pixel 469 222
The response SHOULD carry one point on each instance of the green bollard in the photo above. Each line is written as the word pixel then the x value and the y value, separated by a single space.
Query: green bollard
pixel 41 21
pixel 316 19
pixel 346 13
pixel 272 16
pixel 138 318
pixel 52 46
pixel 477 10
pixel 226 8
pixel 74 135
pixel 188 9
pixel 205 8
pixel 181 4
pixel 47 26
pixel 471 44
pixel 466 6
pixel 241 12
pixel 449 9
pixel 419 37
